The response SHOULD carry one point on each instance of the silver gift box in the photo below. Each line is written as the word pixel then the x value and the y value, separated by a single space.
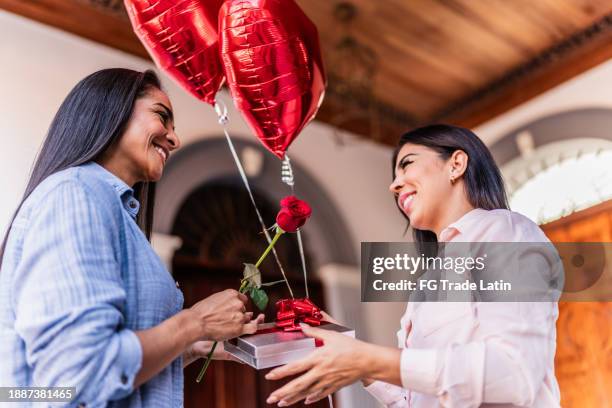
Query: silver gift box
pixel 271 349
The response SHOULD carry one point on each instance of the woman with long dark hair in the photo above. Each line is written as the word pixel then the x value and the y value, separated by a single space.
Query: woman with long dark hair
pixel 86 303
pixel 451 354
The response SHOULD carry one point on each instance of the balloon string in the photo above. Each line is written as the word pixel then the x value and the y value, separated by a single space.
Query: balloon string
pixel 221 110
pixel 303 259
pixel 287 178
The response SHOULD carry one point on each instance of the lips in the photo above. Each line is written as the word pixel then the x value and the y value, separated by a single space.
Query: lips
pixel 405 200
pixel 162 151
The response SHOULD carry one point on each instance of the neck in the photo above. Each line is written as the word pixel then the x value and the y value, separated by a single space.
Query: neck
pixel 456 207
pixel 119 170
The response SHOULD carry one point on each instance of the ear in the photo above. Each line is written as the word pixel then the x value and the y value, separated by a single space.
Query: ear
pixel 458 163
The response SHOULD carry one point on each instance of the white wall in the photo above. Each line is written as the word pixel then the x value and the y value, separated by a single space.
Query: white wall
pixel 591 89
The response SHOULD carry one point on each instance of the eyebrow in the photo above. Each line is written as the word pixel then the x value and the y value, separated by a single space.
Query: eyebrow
pixel 402 159
pixel 167 109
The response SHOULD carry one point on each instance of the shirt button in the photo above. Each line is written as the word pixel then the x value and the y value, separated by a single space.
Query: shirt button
pixel 132 204
pixel 124 379
pixel 177 284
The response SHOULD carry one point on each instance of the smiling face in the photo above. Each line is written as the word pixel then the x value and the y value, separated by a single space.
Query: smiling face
pixel 422 186
pixel 141 152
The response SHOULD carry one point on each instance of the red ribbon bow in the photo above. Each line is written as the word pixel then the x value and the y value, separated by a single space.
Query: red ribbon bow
pixel 291 312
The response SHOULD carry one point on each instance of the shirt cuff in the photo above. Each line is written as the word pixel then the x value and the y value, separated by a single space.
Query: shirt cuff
pixel 419 370
pixel 128 364
pixel 385 393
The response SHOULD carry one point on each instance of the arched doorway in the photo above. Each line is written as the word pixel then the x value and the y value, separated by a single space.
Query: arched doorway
pixel 202 201
pixel 219 231
pixel 210 160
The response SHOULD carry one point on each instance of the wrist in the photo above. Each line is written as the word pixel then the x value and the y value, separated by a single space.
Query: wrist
pixel 187 357
pixel 368 359
pixel 381 363
pixel 187 328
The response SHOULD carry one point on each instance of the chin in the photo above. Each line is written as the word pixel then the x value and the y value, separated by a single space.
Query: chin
pixel 416 226
pixel 155 176
pixel 416 222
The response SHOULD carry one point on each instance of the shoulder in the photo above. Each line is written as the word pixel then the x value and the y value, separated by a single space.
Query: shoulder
pixel 508 226
pixel 72 186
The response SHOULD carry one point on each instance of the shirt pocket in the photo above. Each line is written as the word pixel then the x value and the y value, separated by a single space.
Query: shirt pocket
pixel 444 318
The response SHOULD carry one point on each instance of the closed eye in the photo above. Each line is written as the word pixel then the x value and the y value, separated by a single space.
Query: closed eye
pixel 405 163
pixel 163 116
pixel 164 113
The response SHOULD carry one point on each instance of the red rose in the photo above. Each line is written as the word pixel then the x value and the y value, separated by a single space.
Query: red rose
pixel 293 214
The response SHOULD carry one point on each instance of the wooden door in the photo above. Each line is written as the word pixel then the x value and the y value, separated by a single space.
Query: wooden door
pixel 583 361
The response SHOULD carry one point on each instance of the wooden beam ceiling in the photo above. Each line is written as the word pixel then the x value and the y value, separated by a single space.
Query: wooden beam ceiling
pixel 560 63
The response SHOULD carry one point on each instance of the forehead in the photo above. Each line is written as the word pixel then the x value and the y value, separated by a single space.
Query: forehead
pixel 155 95
pixel 410 148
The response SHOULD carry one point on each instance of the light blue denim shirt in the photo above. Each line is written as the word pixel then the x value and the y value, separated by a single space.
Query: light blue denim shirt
pixel 77 280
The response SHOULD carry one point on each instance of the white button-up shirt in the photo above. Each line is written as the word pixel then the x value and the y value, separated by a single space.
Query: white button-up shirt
pixel 472 354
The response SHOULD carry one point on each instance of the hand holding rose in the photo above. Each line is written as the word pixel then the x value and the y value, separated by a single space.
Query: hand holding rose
pixel 202 348
pixel 223 316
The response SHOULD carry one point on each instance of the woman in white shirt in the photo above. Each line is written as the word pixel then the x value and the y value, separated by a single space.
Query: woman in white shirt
pixel 460 354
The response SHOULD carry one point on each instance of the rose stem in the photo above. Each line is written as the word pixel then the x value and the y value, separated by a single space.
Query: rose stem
pixel 279 232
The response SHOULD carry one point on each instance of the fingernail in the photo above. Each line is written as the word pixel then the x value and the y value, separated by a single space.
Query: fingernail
pixel 283 404
pixel 271 400
pixel 270 376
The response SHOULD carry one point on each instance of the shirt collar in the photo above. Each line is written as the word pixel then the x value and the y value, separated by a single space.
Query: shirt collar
pixel 124 192
pixel 463 224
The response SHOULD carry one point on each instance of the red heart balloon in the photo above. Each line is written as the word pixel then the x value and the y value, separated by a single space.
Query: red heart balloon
pixel 272 60
pixel 181 37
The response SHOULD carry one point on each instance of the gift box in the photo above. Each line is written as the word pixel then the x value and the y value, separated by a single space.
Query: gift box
pixel 272 346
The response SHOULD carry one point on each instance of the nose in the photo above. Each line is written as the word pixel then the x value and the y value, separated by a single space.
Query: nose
pixel 396 185
pixel 173 139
